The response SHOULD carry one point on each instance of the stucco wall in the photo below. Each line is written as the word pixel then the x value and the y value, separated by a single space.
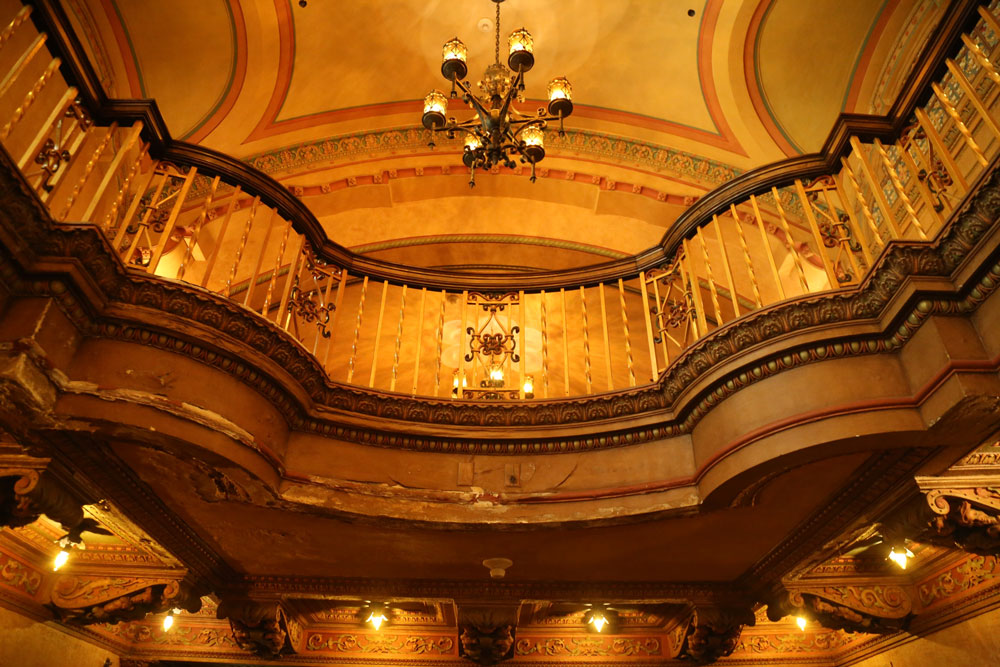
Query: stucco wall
pixel 27 643
pixel 973 643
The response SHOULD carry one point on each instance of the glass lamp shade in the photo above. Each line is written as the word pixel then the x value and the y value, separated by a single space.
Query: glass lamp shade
pixel 560 97
pixel 453 64
pixel 472 144
pixel 520 58
pixel 435 107
pixel 534 143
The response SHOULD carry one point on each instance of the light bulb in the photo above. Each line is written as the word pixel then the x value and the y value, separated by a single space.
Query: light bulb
pixel 598 622
pixel 801 622
pixel 168 621
pixel 496 373
pixel 900 557
pixel 377 620
pixel 60 560
pixel 529 387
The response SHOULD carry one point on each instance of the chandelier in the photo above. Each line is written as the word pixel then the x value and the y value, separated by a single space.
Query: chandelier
pixel 498 133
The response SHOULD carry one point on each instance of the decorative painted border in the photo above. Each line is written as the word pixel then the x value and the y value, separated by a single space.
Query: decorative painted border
pixel 346 147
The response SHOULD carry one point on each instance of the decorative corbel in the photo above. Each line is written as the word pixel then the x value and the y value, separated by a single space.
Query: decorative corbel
pixel 954 512
pixel 85 600
pixel 486 634
pixel 873 608
pixel 263 628
pixel 710 633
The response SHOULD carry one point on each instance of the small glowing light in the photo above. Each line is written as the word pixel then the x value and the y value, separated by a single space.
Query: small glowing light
pixel 377 618
pixel 900 557
pixel 454 381
pixel 801 622
pixel 533 136
pixel 168 621
pixel 496 374
pixel 529 386
pixel 60 560
pixel 520 40
pixel 454 49
pixel 472 142
pixel 559 89
pixel 436 102
pixel 598 621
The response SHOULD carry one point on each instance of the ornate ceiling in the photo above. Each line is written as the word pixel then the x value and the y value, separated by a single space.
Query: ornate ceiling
pixel 669 105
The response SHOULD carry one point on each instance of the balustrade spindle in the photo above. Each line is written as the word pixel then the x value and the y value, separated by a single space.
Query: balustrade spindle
pixel 172 220
pixel 694 289
pixel 790 240
pixel 335 315
pixel 243 244
pixel 865 209
pixel 876 188
pixel 111 170
pixel 269 216
pixel 726 267
pixel 399 339
pixel 15 72
pixel 981 57
pixel 831 274
pixel 628 340
pixel 565 337
pixel 897 185
pixel 545 347
pixel 196 229
pixel 956 118
pixel 654 372
pixel 462 346
pixel 144 219
pixel 762 227
pixel 57 115
pixel 925 193
pixel 277 267
pixel 942 151
pixel 88 169
pixel 586 339
pixel 970 92
pixel 220 237
pixel 378 332
pixel 420 341
pixel 109 224
pixel 324 301
pixel 845 244
pixel 713 292
pixel 523 322
pixel 607 343
pixel 290 314
pixel 19 19
pixel 286 291
pixel 357 330
pixel 990 20
pixel 662 306
pixel 746 256
pixel 29 99
pixel 440 344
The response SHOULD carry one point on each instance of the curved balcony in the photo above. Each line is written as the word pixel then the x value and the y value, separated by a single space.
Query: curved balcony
pixel 806 226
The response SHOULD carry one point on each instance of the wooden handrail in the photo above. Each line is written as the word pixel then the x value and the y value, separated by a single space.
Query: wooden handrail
pixel 50 17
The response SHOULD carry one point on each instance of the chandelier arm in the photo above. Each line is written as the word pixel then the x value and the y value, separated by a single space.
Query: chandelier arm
pixel 509 97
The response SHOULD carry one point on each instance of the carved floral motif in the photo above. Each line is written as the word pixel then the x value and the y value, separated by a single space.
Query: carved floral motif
pixel 578 647
pixel 380 643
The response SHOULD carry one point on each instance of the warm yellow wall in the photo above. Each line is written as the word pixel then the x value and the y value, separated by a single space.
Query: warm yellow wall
pixel 28 643
pixel 973 643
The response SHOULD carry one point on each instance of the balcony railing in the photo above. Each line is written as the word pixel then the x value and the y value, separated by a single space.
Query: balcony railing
pixel 797 228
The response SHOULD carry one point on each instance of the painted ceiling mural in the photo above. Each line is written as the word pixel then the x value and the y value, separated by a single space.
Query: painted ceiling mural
pixel 672 100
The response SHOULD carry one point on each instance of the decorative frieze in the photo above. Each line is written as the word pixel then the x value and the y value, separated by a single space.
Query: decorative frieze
pixel 264 629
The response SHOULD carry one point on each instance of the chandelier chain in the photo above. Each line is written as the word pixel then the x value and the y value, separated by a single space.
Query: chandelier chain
pixel 497 41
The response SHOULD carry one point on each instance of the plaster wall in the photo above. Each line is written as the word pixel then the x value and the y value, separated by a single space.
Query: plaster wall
pixel 25 642
pixel 972 643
